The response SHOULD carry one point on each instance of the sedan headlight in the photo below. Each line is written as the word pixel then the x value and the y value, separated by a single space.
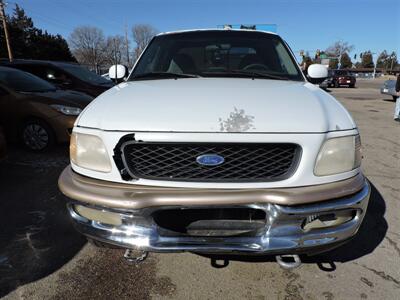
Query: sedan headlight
pixel 338 155
pixel 67 110
pixel 88 151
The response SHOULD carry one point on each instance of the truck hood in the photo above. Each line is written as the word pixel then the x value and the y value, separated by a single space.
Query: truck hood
pixel 216 105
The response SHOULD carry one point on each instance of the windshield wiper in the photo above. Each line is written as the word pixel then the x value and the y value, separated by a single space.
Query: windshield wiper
pixel 239 73
pixel 157 75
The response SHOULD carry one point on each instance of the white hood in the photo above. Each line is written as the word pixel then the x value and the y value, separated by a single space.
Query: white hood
pixel 216 105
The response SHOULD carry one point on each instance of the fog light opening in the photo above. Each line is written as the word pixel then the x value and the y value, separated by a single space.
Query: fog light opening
pixel 104 217
pixel 327 220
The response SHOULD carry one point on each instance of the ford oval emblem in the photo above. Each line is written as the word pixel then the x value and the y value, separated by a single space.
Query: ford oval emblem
pixel 210 160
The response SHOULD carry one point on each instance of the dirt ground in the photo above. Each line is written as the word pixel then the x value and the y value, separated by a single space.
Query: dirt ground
pixel 42 257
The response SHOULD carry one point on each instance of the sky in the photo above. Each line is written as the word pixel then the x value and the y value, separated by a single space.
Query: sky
pixel 305 24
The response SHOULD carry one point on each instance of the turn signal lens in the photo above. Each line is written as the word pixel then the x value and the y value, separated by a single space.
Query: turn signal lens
pixel 105 217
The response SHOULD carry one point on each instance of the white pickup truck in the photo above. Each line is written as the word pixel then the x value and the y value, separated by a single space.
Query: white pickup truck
pixel 217 142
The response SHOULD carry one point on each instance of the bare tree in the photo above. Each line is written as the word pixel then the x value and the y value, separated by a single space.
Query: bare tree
pixel 338 48
pixel 92 48
pixel 114 50
pixel 88 45
pixel 142 35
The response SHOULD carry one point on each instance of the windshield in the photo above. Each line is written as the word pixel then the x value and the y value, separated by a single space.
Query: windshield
pixel 84 74
pixel 218 54
pixel 342 73
pixel 20 81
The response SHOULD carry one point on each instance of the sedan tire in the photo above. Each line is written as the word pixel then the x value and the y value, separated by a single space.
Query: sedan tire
pixel 36 135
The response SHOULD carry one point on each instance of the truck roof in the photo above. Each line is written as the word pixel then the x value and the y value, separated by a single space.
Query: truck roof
pixel 214 29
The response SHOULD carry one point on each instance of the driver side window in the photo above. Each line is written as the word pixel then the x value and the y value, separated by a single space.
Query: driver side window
pixel 285 59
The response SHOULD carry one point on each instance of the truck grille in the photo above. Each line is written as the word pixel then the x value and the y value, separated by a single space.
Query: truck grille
pixel 178 161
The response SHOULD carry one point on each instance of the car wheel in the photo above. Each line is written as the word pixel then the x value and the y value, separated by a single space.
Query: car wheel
pixel 351 86
pixel 336 84
pixel 36 135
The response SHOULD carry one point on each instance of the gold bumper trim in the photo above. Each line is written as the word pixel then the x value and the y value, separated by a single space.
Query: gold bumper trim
pixel 130 196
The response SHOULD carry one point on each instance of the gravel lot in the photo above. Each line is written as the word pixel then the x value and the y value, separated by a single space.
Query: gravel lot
pixel 42 257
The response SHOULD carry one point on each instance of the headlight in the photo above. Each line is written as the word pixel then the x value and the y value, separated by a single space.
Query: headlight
pixel 88 151
pixel 67 110
pixel 338 155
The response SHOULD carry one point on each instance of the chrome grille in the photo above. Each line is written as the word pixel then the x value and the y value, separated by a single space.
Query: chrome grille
pixel 177 161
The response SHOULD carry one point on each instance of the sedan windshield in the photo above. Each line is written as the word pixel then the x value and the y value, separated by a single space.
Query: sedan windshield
pixel 20 81
pixel 84 74
pixel 217 53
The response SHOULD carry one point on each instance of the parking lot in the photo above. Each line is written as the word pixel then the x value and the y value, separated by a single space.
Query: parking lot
pixel 42 257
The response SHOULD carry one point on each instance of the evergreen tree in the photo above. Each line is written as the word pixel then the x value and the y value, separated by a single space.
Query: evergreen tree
pixel 382 60
pixel 345 61
pixel 367 60
pixel 386 61
pixel 29 42
pixel 392 61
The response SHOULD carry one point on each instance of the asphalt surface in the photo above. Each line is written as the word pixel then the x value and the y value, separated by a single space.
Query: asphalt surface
pixel 42 257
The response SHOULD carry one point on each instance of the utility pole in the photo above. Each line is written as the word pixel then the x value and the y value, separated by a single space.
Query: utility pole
pixel 392 60
pixel 127 46
pixel 116 61
pixel 372 54
pixel 3 17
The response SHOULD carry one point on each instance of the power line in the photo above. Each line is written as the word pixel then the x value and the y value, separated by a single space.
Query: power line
pixel 85 12
pixel 50 21
pixel 44 18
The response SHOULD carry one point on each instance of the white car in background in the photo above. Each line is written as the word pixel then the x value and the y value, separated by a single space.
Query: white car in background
pixel 217 143
pixel 389 88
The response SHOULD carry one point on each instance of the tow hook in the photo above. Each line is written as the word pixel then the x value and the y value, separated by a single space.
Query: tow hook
pixel 288 261
pixel 135 256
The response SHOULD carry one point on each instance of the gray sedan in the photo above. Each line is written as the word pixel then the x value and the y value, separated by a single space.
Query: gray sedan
pixel 388 88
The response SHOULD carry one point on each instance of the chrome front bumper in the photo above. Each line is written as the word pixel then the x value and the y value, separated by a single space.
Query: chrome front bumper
pixel 283 232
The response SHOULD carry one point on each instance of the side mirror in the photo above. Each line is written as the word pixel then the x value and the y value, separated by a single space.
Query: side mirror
pixel 317 73
pixel 117 72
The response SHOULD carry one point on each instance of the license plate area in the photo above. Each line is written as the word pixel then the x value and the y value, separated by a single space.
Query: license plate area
pixel 213 222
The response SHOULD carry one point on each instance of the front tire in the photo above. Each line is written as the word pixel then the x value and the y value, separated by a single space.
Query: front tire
pixel 36 135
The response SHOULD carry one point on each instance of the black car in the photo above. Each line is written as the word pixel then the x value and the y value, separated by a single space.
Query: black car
pixel 65 75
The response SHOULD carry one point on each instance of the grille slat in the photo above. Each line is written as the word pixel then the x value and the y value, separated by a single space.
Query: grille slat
pixel 243 162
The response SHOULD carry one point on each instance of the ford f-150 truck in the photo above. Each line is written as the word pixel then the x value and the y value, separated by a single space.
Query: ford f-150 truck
pixel 217 143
